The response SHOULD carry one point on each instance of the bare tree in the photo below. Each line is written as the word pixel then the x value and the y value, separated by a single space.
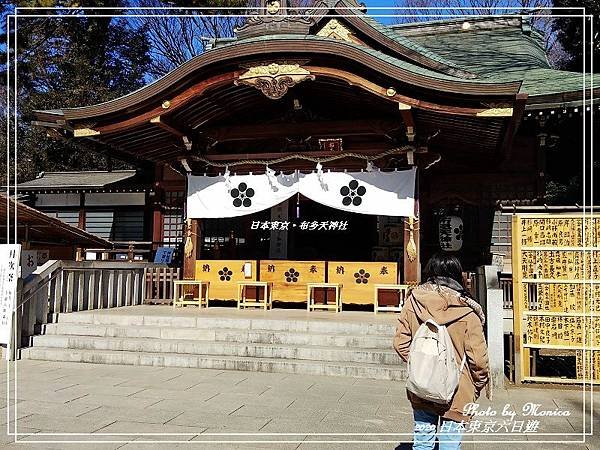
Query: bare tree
pixel 176 39
pixel 181 36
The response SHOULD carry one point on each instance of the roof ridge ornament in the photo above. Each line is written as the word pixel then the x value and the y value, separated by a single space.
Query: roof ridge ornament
pixel 334 29
pixel 275 78
pixel 271 17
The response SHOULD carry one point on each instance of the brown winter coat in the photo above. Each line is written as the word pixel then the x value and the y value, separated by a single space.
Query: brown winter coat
pixel 446 307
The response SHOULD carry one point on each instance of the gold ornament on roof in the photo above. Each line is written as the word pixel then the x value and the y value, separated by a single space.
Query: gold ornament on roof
pixel 273 7
pixel 336 30
pixel 274 79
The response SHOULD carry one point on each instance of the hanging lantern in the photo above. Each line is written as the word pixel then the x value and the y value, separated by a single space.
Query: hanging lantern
pixel 451 233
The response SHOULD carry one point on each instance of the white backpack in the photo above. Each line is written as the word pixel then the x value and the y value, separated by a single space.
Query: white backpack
pixel 432 370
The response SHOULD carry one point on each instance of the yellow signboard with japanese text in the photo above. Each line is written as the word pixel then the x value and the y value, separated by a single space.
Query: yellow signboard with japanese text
pixel 223 276
pixel 358 278
pixel 556 287
pixel 290 278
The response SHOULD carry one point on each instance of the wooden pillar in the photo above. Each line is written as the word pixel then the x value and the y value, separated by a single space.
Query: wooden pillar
pixel 79 253
pixel 157 213
pixel 412 245
pixel 190 248
pixel 81 221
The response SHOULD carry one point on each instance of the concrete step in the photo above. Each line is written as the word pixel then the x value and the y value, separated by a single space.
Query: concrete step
pixel 323 324
pixel 222 335
pixel 306 367
pixel 208 348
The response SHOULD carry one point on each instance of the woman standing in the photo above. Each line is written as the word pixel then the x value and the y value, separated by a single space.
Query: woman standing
pixel 443 299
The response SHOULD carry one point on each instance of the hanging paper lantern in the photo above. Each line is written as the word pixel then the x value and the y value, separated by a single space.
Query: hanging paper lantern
pixel 451 233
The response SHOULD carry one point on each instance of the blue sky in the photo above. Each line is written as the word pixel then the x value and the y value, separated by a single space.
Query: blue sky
pixel 381 3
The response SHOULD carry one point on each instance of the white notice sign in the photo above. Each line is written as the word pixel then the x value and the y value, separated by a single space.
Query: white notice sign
pixel 9 267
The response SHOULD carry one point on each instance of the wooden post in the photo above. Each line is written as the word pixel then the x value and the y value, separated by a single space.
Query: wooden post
pixel 157 213
pixel 411 245
pixel 190 251
pixel 81 221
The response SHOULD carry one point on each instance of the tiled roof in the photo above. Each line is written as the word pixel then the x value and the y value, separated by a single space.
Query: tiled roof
pixel 72 180
pixel 489 52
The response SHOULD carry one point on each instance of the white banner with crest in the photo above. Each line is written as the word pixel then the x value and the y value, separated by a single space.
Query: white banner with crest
pixel 237 195
pixel 377 193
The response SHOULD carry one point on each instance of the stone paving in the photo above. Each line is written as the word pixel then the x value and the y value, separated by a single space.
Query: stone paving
pixel 132 406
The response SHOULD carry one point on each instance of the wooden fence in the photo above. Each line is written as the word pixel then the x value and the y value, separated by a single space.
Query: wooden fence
pixel 159 284
pixel 68 286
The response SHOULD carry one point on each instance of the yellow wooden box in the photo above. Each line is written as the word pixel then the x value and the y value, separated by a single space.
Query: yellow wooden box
pixel 358 278
pixel 224 275
pixel 290 278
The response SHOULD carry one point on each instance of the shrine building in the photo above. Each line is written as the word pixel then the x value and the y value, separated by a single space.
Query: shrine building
pixel 327 146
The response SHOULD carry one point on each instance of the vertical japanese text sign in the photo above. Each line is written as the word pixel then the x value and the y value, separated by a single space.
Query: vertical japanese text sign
pixel 9 267
pixel 556 286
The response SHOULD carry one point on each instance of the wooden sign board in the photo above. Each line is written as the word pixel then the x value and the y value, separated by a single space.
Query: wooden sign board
pixel 290 278
pixel 224 275
pixel 556 287
pixel 358 278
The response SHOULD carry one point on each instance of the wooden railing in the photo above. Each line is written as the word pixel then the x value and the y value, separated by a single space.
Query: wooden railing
pixel 159 284
pixel 69 286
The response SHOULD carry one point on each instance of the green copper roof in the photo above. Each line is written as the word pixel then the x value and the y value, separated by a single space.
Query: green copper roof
pixel 509 52
pixel 382 56
pixel 547 81
pixel 408 43
pixel 497 50
pixel 489 52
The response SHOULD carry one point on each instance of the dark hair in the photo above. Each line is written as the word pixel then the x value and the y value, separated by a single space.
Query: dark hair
pixel 444 265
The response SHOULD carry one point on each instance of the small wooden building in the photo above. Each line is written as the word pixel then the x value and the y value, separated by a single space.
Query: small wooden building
pixel 112 205
pixel 334 90
pixel 38 231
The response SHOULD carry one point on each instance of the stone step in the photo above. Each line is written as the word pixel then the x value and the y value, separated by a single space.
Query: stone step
pixel 306 367
pixel 221 335
pixel 324 324
pixel 208 348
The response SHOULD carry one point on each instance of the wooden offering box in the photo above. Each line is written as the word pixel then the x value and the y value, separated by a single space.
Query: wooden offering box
pixel 224 275
pixel 290 278
pixel 359 278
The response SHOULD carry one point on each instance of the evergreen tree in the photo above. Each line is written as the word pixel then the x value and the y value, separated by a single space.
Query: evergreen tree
pixel 67 61
pixel 570 34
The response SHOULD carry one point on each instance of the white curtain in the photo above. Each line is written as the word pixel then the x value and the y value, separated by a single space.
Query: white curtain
pixel 233 196
pixel 377 193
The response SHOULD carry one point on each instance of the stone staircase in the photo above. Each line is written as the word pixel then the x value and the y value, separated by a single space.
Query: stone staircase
pixel 288 342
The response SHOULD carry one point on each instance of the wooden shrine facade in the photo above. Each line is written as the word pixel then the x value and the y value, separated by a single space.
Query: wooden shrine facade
pixel 337 88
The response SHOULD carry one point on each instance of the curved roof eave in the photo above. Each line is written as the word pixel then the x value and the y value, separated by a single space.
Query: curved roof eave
pixel 287 46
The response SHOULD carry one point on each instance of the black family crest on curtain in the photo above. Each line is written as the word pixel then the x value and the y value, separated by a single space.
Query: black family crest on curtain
pixel 242 195
pixel 351 194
